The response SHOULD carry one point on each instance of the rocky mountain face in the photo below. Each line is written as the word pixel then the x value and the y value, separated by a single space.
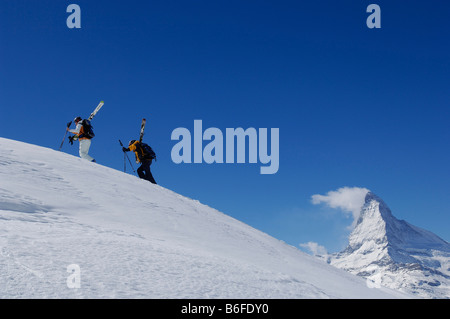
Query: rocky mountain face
pixel 395 254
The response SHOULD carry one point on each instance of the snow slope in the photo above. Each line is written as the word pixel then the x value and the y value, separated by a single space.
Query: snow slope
pixel 133 239
pixel 396 254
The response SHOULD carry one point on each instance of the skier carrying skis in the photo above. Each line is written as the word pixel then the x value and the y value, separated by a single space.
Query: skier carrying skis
pixel 84 138
pixel 145 156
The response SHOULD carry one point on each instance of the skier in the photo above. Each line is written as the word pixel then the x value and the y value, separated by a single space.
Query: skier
pixel 144 157
pixel 84 138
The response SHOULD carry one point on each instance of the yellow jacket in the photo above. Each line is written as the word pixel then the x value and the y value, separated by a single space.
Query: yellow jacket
pixel 137 149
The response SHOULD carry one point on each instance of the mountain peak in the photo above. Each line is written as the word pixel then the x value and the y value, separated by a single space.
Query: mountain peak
pixel 377 221
pixel 372 224
pixel 404 256
pixel 374 207
pixel 371 197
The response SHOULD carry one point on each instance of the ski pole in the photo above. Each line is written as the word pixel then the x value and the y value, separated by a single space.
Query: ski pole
pixel 124 163
pixel 68 125
pixel 127 158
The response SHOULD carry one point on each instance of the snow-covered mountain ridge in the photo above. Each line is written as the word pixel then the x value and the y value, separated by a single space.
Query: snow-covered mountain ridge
pixel 396 254
pixel 122 237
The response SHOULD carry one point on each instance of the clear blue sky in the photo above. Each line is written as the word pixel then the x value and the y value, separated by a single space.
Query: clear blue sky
pixel 355 106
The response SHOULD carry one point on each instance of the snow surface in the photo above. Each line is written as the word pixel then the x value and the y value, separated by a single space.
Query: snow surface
pixel 133 239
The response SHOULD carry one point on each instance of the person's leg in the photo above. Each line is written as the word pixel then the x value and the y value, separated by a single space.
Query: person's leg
pixel 84 150
pixel 140 171
pixel 149 176
pixel 147 172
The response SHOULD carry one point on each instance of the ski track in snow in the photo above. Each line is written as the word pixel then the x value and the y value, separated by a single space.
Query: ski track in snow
pixel 132 239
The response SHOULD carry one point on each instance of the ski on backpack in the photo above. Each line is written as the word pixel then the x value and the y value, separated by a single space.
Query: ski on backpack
pixel 141 135
pixel 96 111
pixel 146 150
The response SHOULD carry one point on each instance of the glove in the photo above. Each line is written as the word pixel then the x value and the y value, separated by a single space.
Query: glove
pixel 71 140
pixel 125 149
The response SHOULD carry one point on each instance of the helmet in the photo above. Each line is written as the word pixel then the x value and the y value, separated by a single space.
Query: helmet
pixel 131 142
pixel 77 119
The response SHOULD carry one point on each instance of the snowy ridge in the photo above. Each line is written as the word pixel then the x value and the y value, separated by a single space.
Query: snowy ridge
pixel 133 239
pixel 396 254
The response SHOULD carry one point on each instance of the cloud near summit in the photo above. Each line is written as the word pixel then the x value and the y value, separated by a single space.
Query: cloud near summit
pixel 347 199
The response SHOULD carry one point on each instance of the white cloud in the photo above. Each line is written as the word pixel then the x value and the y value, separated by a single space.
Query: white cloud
pixel 348 199
pixel 315 249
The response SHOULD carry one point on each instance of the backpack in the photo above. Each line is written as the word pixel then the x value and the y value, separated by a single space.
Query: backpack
pixel 88 130
pixel 148 151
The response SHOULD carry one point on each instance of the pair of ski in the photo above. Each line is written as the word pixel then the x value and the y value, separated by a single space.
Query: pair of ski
pixel 141 136
pixel 99 106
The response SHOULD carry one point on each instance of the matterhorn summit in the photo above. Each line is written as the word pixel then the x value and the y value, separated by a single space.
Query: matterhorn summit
pixel 395 254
